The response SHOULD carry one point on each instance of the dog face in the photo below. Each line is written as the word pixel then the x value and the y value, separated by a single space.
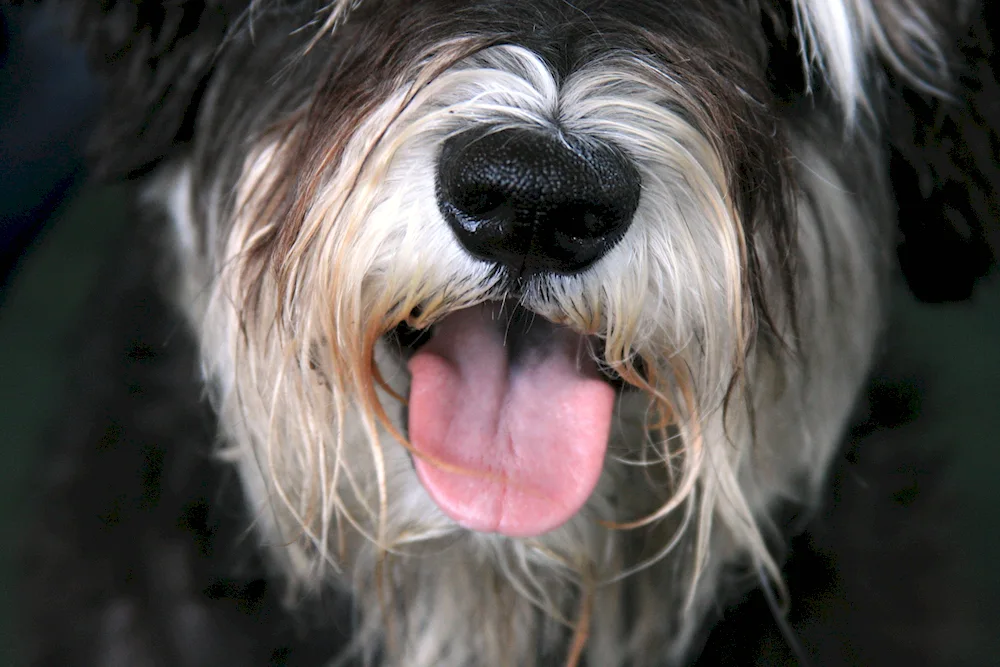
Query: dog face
pixel 521 317
pixel 488 200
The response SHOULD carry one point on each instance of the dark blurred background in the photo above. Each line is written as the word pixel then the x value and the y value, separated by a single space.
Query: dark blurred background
pixel 53 235
pixel 55 229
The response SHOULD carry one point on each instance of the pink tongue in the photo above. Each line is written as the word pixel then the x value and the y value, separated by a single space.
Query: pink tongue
pixel 515 449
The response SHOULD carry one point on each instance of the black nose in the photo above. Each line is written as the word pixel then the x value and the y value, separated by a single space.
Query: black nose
pixel 536 201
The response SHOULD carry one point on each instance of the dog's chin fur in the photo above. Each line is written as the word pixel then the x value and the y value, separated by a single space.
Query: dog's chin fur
pixel 739 312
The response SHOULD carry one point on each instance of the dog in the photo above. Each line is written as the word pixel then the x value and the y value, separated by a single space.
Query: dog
pixel 525 325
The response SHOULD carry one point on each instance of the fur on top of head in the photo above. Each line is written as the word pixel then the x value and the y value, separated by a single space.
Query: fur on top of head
pixel 739 310
pixel 161 54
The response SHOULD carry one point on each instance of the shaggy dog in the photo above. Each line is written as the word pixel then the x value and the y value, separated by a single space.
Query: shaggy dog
pixel 526 325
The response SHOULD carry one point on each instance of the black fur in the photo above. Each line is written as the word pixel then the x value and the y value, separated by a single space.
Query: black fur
pixel 945 170
pixel 157 58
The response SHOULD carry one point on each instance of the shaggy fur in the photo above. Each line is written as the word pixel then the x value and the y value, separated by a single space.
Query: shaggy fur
pixel 292 150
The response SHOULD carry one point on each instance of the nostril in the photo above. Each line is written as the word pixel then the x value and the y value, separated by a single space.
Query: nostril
pixel 584 224
pixel 534 201
pixel 480 202
pixel 481 206
pixel 592 223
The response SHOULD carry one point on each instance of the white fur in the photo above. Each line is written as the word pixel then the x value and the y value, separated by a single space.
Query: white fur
pixel 337 496
pixel 846 39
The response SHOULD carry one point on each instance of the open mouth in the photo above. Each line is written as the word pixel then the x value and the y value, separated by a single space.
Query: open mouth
pixel 508 416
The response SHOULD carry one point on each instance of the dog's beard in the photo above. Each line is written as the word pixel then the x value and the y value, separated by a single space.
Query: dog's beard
pixel 312 386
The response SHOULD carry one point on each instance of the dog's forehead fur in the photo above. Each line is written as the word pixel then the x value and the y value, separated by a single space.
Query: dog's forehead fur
pixel 810 44
pixel 568 34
